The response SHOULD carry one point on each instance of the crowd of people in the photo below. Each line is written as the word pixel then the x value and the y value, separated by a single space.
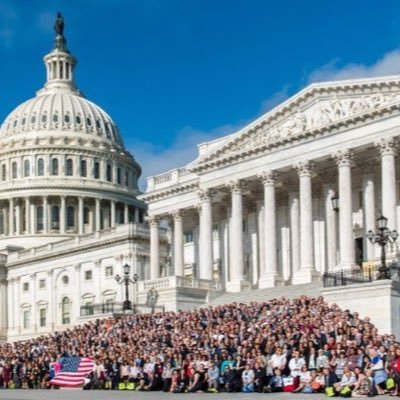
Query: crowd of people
pixel 302 345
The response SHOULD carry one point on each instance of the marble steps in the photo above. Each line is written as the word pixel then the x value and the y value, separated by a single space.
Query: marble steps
pixel 248 295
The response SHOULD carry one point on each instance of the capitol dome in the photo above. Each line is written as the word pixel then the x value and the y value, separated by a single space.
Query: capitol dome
pixel 64 170
pixel 61 112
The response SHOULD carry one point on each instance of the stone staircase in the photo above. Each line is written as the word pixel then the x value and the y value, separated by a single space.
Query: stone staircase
pixel 247 295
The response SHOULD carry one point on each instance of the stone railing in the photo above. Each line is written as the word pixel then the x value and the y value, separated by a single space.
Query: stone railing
pixel 177 281
pixel 169 178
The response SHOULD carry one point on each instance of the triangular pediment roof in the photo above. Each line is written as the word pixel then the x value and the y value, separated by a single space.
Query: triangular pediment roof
pixel 311 111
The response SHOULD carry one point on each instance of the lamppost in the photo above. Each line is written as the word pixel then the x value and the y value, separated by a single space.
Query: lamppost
pixel 383 237
pixel 152 297
pixel 126 280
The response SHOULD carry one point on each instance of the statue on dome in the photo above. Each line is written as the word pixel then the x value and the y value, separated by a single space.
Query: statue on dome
pixel 59 24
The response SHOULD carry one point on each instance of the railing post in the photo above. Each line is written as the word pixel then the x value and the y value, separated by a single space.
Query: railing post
pixel 335 280
pixel 369 274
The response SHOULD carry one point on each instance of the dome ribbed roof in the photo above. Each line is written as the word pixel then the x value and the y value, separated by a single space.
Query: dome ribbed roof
pixel 60 112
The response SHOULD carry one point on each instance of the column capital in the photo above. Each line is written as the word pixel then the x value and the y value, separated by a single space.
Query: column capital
pixel 343 158
pixel 235 186
pixel 268 177
pixel 387 146
pixel 205 194
pixel 153 220
pixel 176 214
pixel 304 168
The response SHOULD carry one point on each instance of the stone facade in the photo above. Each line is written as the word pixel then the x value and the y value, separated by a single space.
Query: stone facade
pixel 255 207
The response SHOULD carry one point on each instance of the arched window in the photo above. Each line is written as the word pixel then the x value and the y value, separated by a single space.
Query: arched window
pixel 55 218
pixel 3 172
pixel 40 167
pixel 54 166
pixel 126 178
pixel 119 175
pixel 83 168
pixel 65 311
pixel 39 218
pixel 70 217
pixel 27 168
pixel 108 173
pixel 96 170
pixel 67 118
pixel 14 168
pixel 70 167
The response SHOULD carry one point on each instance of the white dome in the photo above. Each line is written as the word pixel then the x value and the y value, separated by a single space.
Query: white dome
pixel 61 112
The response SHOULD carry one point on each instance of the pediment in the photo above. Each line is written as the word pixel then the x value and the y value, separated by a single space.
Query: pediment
pixel 314 110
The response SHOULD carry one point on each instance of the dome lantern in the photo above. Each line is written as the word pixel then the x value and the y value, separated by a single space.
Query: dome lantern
pixel 60 64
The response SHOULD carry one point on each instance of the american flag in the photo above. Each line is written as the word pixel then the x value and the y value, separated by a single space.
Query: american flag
pixel 73 371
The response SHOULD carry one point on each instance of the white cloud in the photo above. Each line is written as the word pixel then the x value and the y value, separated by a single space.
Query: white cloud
pixel 155 160
pixel 389 64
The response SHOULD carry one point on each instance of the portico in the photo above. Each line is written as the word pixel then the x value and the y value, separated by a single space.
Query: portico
pixel 263 196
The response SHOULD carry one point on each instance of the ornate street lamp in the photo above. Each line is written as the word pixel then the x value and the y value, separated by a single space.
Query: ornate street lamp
pixel 383 237
pixel 335 203
pixel 126 280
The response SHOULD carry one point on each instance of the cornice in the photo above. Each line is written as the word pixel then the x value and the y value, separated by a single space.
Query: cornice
pixel 303 136
pixel 170 191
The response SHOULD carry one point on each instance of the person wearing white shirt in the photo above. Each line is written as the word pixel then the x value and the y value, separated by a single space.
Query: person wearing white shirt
pixel 295 364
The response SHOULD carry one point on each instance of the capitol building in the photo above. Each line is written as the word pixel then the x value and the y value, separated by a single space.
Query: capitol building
pixel 277 204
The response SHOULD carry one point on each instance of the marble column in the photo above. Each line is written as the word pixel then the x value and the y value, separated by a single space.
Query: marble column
pixel 388 151
pixel 154 247
pixel 18 218
pixel 260 238
pixel 206 240
pixel 11 217
pixel 307 272
pixel 112 223
pixel 368 185
pixel 294 218
pixel 330 226
pixel 45 215
pixel 270 276
pixel 178 243
pixel 126 213
pixel 11 306
pixel 236 238
pixel 62 216
pixel 27 215
pixel 97 214
pixel 344 160
pixel 136 215
pixel 81 227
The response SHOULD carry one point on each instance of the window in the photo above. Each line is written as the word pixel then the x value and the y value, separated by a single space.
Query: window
pixel 88 275
pixel 54 166
pixel 27 168
pixel 44 118
pixel 83 168
pixel 85 215
pixel 65 311
pixel 42 317
pixel 33 119
pixel 78 120
pixel 70 167
pixel 3 172
pixel 126 178
pixel 141 217
pixel 67 118
pixel 119 175
pixel 89 121
pixel 109 305
pixel 188 237
pixel 215 233
pixel 65 280
pixel 360 199
pixel 25 286
pixel 27 319
pixel 39 218
pixel 70 217
pixel 14 168
pixel 55 118
pixel 42 283
pixel 40 167
pixel 109 271
pixel 96 171
pixel 108 173
pixel 55 217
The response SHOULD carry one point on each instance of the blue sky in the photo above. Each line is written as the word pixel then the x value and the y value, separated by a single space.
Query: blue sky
pixel 174 73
